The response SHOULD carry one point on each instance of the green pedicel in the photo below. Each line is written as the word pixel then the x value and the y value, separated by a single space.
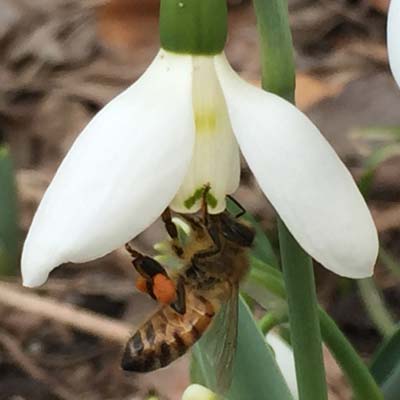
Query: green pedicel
pixel 193 26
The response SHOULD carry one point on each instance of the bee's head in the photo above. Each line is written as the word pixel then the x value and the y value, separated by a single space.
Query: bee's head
pixel 236 231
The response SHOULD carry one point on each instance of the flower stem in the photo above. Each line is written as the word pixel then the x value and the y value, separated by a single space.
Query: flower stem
pixel 303 317
pixel 375 306
pixel 389 262
pixel 272 319
pixel 193 26
pixel 278 76
pixel 277 60
pixel 9 234
pixel 360 379
pixel 358 375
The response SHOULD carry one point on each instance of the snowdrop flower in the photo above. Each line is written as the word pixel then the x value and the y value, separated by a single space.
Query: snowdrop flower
pixel 179 127
pixel 198 392
pixel 285 360
pixel 393 38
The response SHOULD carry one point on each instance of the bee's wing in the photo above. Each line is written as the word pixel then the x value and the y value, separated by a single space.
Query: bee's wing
pixel 219 343
pixel 226 352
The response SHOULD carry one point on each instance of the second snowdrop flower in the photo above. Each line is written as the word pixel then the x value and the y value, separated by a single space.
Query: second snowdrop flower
pixel 393 38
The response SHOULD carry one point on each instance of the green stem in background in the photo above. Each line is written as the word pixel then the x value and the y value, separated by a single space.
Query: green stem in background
pixel 389 262
pixel 277 60
pixel 303 317
pixel 363 384
pixel 272 319
pixel 8 216
pixel 278 76
pixel 267 279
pixel 193 26
pixel 375 306
pixel 360 379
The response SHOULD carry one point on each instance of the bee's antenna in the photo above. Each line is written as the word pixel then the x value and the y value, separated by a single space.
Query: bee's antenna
pixel 242 209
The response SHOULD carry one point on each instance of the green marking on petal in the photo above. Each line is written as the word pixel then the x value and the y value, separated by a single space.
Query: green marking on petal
pixel 205 121
pixel 211 200
pixel 198 194
pixel 191 201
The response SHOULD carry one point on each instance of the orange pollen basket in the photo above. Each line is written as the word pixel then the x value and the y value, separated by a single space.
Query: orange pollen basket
pixel 164 289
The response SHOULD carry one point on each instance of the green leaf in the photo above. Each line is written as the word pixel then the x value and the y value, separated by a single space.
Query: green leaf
pixel 391 387
pixel 255 375
pixel 386 358
pixel 262 248
pixel 389 262
pixel 375 306
pixel 373 136
pixel 8 215
pixel 377 157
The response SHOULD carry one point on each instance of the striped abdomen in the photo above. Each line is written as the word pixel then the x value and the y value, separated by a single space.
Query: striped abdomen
pixel 167 335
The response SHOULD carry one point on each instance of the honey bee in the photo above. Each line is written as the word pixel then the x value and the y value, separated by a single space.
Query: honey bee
pixel 214 262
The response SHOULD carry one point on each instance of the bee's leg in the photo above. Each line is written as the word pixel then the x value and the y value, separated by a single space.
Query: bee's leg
pixel 147 268
pixel 169 225
pixel 180 304
pixel 172 231
pixel 154 281
pixel 145 265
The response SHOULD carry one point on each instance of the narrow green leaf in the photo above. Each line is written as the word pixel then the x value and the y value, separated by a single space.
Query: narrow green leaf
pixel 386 358
pixel 377 157
pixel 262 248
pixel 389 262
pixel 256 375
pixel 375 305
pixel 371 136
pixel 8 215
pixel 391 387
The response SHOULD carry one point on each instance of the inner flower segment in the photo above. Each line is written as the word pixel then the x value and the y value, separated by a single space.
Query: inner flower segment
pixel 215 160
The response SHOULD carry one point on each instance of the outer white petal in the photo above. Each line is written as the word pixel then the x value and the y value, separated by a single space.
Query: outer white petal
pixel 302 176
pixel 119 175
pixel 285 360
pixel 393 38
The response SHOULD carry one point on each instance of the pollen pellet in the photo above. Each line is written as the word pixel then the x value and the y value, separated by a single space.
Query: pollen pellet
pixel 141 284
pixel 164 289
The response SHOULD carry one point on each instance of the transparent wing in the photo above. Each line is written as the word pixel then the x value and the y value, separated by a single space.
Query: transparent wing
pixel 219 343
pixel 226 355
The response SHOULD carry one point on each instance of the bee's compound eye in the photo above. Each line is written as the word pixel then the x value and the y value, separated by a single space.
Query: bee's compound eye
pixel 164 289
pixel 237 232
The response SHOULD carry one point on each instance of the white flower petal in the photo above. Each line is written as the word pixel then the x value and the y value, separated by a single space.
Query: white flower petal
pixel 393 38
pixel 302 176
pixel 198 392
pixel 120 174
pixel 285 360
pixel 216 158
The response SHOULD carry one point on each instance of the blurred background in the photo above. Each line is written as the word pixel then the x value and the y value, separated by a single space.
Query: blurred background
pixel 60 62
